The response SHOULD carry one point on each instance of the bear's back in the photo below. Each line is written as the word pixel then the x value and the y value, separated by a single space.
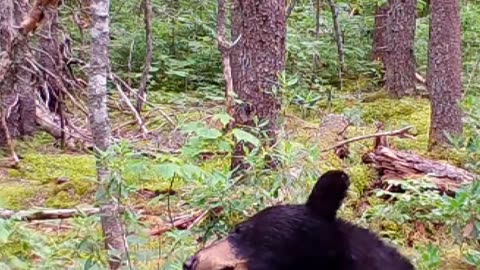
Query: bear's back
pixel 368 252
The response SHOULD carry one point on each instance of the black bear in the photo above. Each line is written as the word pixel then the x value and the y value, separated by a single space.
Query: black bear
pixel 301 237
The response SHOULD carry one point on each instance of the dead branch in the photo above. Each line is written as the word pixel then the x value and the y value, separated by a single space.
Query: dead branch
pixel 398 165
pixel 136 113
pixel 51 123
pixel 420 78
pixel 225 48
pixel 4 115
pixel 186 222
pixel 142 89
pixel 28 215
pixel 35 16
pixel 78 103
pixel 131 90
pixel 403 133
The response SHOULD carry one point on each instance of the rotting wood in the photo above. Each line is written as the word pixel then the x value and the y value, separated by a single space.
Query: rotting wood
pixel 397 165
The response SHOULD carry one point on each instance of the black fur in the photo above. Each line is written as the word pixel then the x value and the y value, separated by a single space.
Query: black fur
pixel 310 237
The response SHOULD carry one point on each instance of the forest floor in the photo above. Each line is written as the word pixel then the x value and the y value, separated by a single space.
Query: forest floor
pixel 51 178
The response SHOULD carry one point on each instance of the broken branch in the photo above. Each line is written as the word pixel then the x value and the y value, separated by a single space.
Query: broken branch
pixel 403 132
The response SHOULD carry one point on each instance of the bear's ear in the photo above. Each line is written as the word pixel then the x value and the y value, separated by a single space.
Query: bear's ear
pixel 328 193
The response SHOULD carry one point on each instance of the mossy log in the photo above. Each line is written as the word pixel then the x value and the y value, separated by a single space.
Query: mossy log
pixel 397 165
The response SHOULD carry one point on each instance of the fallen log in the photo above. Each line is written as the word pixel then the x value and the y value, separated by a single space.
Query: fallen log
pixel 29 215
pixel 397 165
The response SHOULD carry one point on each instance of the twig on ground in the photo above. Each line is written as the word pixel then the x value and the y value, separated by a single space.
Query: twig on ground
pixel 131 90
pixel 136 114
pixel 28 215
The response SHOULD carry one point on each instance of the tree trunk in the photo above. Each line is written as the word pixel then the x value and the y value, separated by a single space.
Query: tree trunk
pixel 338 41
pixel 101 132
pixel 379 42
pixel 400 38
pixel 444 71
pixel 256 61
pixel 316 56
pixel 17 99
pixel 142 89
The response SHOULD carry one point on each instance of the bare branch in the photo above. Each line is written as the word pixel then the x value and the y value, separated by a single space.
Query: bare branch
pixel 136 114
pixel 28 215
pixel 400 132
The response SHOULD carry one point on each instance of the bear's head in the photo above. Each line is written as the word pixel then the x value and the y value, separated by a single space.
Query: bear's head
pixel 303 237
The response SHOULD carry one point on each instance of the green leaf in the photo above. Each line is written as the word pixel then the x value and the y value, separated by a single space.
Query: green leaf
pixel 4 232
pixel 167 170
pixel 244 136
pixel 223 117
pixel 209 133
pixel 192 127
pixel 189 171
pixel 224 146
pixel 178 73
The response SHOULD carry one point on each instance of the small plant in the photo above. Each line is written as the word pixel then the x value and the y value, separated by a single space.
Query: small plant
pixel 428 257
pixel 462 214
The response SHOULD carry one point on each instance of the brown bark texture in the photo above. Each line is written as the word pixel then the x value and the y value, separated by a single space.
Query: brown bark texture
pixel 256 61
pixel 397 165
pixel 142 89
pixel 379 31
pixel 444 71
pixel 400 57
pixel 17 99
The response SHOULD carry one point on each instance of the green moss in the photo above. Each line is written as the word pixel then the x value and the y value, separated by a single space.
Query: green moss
pixel 361 175
pixel 399 113
pixel 63 199
pixel 47 168
pixel 40 173
pixel 15 195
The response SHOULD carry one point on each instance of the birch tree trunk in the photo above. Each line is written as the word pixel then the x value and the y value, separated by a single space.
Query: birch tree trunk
pixel 101 132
